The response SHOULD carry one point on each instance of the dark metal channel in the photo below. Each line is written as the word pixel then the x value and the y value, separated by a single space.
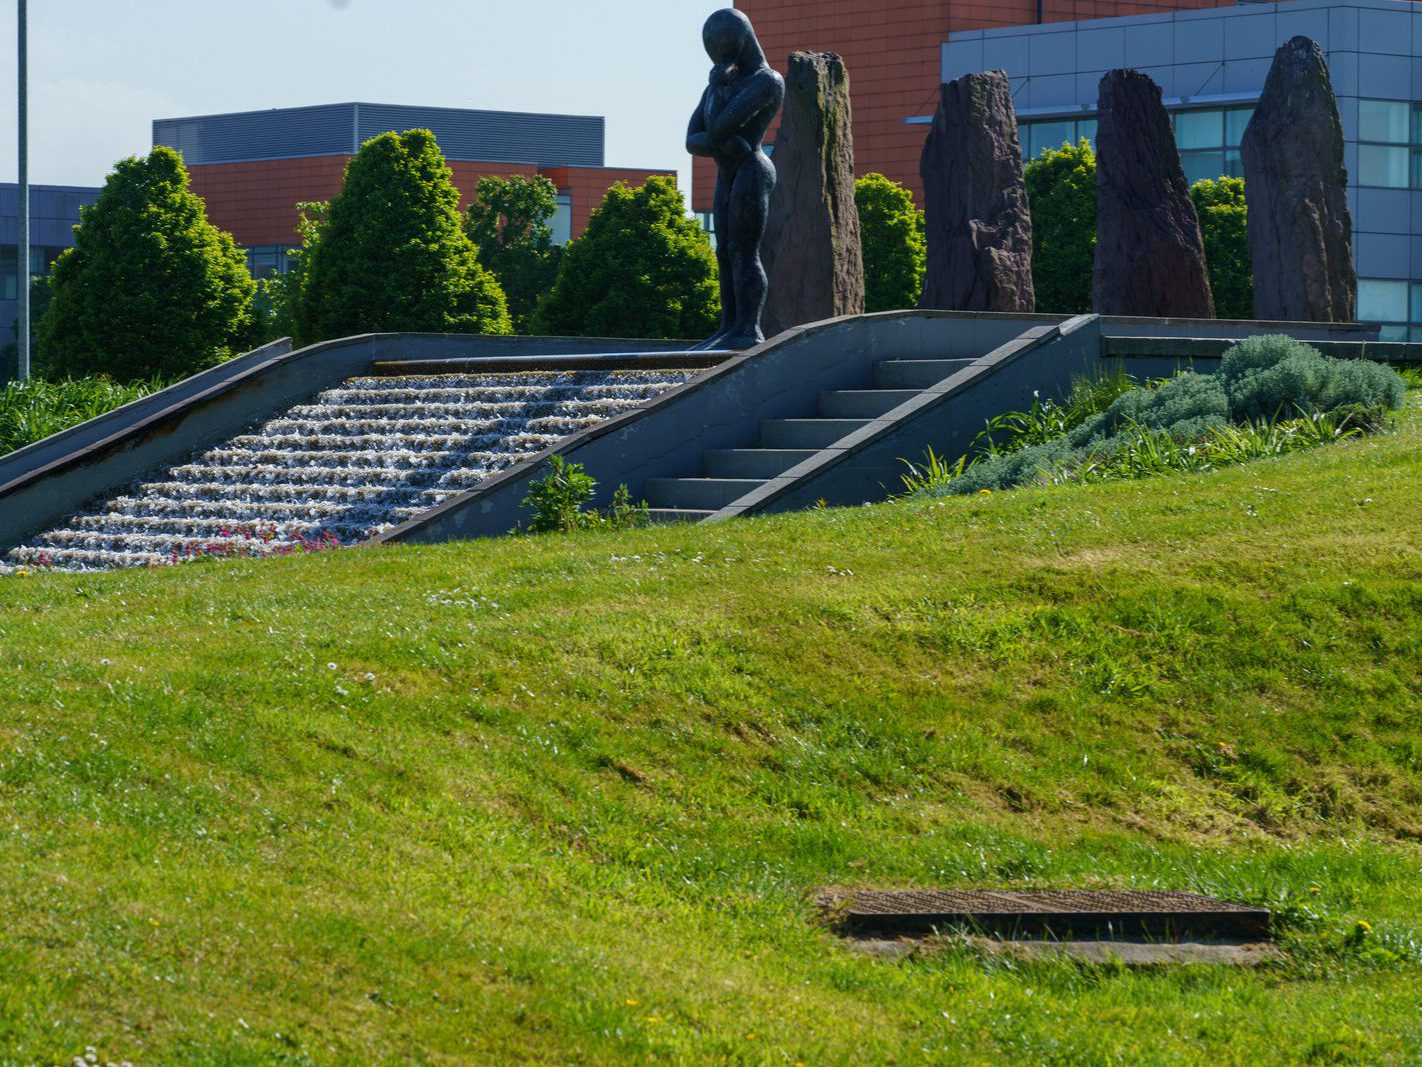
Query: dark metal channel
pixel 1049 913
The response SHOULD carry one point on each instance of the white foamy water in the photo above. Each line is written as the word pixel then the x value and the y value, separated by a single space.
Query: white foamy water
pixel 357 460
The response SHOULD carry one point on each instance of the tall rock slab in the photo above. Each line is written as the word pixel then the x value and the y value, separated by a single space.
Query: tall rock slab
pixel 811 249
pixel 1149 256
pixel 1295 186
pixel 979 226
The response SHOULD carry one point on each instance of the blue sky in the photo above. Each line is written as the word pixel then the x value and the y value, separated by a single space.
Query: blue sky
pixel 101 70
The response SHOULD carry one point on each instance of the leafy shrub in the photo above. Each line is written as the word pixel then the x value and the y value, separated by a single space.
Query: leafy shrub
pixel 1271 395
pixel 892 240
pixel 1274 376
pixel 1224 230
pixel 150 286
pixel 1061 189
pixel 508 222
pixel 33 410
pixel 560 502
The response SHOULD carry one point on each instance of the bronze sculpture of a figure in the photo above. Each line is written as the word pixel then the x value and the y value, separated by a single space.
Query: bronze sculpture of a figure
pixel 740 101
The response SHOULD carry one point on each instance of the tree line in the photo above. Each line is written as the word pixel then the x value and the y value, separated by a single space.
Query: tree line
pixel 152 288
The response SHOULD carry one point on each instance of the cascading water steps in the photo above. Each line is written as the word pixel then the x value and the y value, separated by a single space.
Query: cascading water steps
pixel 357 460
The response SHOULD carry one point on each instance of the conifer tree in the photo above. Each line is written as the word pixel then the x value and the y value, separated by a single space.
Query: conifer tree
pixel 391 255
pixel 644 268
pixel 150 288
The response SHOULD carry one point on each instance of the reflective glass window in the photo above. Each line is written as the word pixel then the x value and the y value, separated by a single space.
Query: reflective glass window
pixel 1199 129
pixel 1202 165
pixel 1051 135
pixel 1388 121
pixel 1235 122
pixel 562 221
pixel 1384 165
pixel 1382 300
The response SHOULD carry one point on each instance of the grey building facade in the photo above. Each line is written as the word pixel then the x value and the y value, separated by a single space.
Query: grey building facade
pixel 54 212
pixel 1211 65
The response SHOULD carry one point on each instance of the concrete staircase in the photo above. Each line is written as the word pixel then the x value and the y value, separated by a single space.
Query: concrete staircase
pixel 728 474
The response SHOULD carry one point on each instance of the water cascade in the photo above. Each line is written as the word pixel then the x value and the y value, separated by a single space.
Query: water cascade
pixel 356 460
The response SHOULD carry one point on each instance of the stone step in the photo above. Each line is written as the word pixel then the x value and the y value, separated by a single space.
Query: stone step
pixel 862 403
pixel 806 433
pixel 752 462
pixel 916 373
pixel 667 516
pixel 698 494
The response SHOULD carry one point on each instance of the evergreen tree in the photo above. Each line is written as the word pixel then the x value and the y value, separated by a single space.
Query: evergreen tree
pixel 644 268
pixel 150 288
pixel 392 255
pixel 1061 188
pixel 891 236
pixel 1224 226
pixel 508 222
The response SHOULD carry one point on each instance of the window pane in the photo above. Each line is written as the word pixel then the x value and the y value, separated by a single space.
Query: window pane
pixel 562 221
pixel 1416 315
pixel 1087 128
pixel 1199 129
pixel 1379 165
pixel 1382 301
pixel 1392 333
pixel 1051 135
pixel 1233 163
pixel 1384 120
pixel 1200 165
pixel 8 291
pixel 1414 334
pixel 1235 122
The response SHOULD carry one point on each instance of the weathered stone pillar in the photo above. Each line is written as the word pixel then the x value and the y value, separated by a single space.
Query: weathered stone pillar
pixel 811 247
pixel 1149 256
pixel 979 226
pixel 1295 186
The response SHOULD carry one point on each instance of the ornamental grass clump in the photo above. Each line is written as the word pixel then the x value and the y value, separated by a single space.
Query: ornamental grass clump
pixel 33 410
pixel 1271 395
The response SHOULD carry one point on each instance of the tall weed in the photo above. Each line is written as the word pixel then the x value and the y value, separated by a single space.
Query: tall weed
pixel 33 410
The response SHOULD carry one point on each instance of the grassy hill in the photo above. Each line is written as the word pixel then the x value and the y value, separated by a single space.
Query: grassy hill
pixel 569 799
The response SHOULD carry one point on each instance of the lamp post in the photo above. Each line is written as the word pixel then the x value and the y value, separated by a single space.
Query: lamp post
pixel 23 274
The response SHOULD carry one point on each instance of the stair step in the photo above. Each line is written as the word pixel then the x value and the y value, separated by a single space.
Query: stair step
pixel 666 516
pixel 806 433
pixel 753 462
pixel 863 403
pixel 698 493
pixel 915 373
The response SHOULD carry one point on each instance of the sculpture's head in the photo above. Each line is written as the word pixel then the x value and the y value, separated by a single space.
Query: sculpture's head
pixel 730 39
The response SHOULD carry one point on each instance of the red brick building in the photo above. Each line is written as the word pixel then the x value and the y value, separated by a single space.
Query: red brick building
pixel 253 168
pixel 892 49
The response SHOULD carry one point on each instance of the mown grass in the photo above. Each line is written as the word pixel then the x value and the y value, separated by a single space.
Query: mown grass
pixel 33 410
pixel 569 799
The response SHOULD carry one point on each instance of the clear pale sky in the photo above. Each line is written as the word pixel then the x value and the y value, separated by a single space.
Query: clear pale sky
pixel 102 70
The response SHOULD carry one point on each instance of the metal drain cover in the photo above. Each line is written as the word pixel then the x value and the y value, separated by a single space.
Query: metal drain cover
pixel 1033 912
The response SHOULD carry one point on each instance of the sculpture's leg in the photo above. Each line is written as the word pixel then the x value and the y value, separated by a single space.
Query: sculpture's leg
pixel 725 268
pixel 749 205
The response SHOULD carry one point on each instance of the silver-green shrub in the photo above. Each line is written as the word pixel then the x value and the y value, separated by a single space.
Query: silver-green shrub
pixel 1261 380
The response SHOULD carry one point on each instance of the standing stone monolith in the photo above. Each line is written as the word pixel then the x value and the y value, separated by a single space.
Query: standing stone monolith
pixel 811 249
pixel 979 226
pixel 1295 187
pixel 1150 259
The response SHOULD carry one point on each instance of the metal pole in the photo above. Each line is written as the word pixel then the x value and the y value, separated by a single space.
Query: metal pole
pixel 23 275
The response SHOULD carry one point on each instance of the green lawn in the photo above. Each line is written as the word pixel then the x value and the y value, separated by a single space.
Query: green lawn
pixel 568 799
